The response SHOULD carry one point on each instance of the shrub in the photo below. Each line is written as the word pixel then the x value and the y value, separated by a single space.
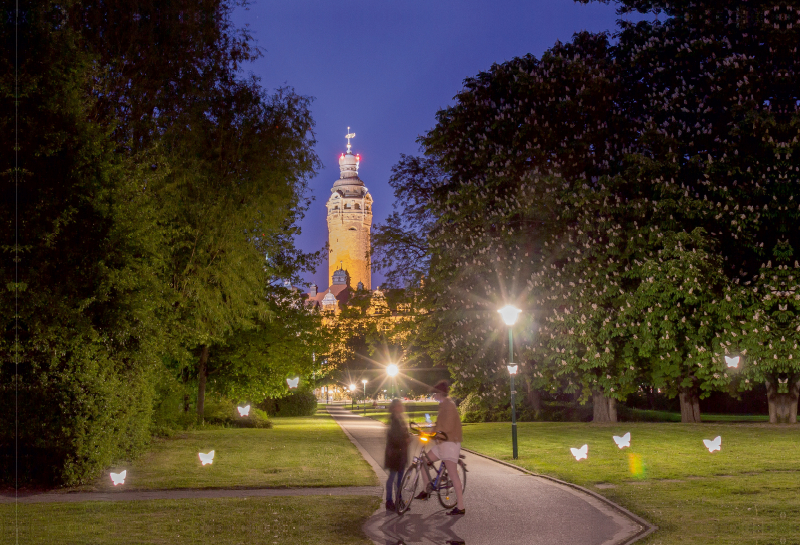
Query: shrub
pixel 76 415
pixel 222 411
pixel 169 411
pixel 302 403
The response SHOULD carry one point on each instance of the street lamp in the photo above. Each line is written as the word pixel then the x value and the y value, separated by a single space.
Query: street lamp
pixel 364 381
pixel 352 399
pixel 510 314
pixel 392 371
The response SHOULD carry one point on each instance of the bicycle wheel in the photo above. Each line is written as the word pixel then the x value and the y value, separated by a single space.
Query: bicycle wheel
pixel 447 491
pixel 408 489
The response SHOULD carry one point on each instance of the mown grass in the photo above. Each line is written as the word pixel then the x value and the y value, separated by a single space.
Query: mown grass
pixel 296 452
pixel 317 520
pixel 667 416
pixel 744 494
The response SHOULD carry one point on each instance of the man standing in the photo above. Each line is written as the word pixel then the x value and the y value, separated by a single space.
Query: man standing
pixel 449 422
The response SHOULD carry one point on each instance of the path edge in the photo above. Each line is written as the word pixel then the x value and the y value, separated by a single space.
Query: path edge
pixel 376 467
pixel 647 528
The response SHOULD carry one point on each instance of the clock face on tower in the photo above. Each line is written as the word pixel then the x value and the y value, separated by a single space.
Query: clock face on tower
pixel 349 223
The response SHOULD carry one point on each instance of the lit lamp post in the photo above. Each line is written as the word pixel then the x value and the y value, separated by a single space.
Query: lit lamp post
pixel 510 314
pixel 364 381
pixel 392 370
pixel 352 397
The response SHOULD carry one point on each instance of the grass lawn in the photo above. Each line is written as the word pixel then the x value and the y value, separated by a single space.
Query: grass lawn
pixel 746 493
pixel 666 416
pixel 296 452
pixel 224 521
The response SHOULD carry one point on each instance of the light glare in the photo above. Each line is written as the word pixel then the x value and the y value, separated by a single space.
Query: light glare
pixel 509 314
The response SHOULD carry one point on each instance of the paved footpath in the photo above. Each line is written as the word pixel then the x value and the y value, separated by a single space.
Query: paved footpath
pixel 503 504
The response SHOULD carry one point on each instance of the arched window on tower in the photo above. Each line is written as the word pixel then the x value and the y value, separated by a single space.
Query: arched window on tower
pixel 357 206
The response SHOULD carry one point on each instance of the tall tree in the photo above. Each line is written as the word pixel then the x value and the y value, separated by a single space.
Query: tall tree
pixel 580 173
pixel 237 181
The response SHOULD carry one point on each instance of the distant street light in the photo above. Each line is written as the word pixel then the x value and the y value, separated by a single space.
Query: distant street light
pixel 392 371
pixel 364 381
pixel 510 314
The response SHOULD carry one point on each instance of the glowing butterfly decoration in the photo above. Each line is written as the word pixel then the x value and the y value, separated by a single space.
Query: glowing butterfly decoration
pixel 428 420
pixel 624 441
pixel 119 478
pixel 714 444
pixel 292 382
pixel 580 453
pixel 207 458
pixel 512 369
pixel 732 362
pixel 244 411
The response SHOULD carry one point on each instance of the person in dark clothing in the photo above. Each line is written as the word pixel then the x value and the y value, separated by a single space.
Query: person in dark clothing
pixel 396 458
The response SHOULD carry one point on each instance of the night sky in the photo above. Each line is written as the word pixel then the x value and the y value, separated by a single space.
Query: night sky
pixel 384 68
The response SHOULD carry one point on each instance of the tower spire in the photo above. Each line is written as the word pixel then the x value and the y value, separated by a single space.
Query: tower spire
pixel 349 135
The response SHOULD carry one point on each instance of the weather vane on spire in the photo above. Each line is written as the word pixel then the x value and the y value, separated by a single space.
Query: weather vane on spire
pixel 349 136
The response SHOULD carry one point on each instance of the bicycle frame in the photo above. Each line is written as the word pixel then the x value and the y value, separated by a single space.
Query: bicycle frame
pixel 426 463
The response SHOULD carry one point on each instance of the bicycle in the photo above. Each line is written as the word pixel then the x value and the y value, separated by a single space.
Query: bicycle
pixel 442 484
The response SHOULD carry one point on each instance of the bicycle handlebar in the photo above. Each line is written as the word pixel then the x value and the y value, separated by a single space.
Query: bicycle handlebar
pixel 440 435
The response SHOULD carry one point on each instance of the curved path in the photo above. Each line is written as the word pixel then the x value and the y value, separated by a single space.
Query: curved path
pixel 504 505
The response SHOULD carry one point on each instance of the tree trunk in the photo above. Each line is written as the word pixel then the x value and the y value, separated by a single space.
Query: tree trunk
pixel 186 403
pixel 651 397
pixel 690 406
pixel 534 400
pixel 202 373
pixel 783 406
pixel 794 393
pixel 605 408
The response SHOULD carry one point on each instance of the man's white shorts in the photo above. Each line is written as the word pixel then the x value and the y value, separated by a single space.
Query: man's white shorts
pixel 447 450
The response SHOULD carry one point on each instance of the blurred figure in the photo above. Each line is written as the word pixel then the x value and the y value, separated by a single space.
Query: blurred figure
pixel 396 458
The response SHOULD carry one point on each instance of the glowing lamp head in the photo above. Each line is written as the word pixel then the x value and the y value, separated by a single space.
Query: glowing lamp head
pixel 364 381
pixel 512 369
pixel 732 362
pixel 292 382
pixel 392 370
pixel 352 387
pixel 509 314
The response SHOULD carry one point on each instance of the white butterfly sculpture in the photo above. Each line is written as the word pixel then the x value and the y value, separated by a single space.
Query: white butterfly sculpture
pixel 580 453
pixel 119 478
pixel 207 458
pixel 624 441
pixel 244 411
pixel 428 420
pixel 714 444
pixel 293 382
pixel 732 362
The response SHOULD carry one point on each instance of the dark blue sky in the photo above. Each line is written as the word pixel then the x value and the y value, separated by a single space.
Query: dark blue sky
pixel 384 68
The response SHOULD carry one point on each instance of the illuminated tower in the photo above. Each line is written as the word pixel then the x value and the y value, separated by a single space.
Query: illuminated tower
pixel 349 222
